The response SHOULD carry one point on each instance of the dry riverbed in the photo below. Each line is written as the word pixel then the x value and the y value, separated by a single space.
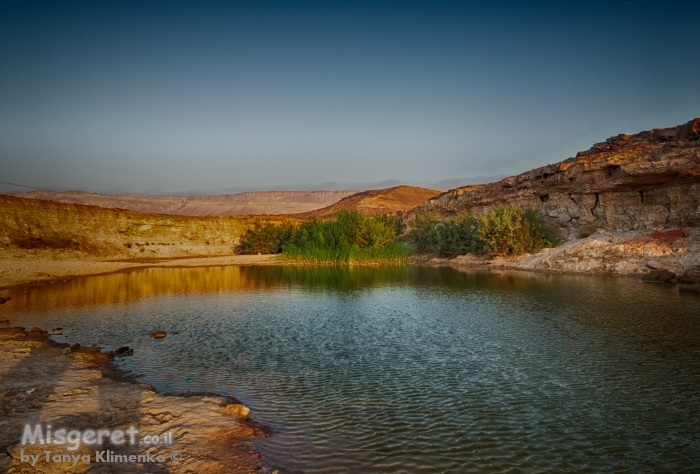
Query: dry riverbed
pixel 76 388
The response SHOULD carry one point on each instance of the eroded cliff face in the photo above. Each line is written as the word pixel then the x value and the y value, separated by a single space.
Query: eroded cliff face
pixel 33 225
pixel 241 204
pixel 648 181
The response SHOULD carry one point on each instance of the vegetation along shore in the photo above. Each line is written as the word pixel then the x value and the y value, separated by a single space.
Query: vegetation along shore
pixel 627 206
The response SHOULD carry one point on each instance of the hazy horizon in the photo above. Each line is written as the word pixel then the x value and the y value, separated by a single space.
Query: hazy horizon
pixel 185 98
pixel 443 185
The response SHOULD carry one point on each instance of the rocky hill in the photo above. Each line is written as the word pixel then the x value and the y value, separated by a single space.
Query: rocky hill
pixel 28 226
pixel 250 203
pixel 627 206
pixel 378 201
pixel 647 181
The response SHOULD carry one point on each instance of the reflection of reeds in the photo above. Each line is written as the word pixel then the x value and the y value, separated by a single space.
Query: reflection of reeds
pixel 336 277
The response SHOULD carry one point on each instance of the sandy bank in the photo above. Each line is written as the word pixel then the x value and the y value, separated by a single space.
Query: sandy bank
pixel 42 382
pixel 21 267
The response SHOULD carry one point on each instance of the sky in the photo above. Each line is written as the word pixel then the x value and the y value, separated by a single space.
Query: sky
pixel 208 97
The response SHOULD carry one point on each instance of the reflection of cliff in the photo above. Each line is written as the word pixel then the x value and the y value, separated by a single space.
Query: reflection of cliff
pixel 33 224
pixel 131 286
pixel 646 181
pixel 127 287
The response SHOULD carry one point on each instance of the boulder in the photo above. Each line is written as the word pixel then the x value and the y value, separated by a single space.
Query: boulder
pixel 237 410
pixel 660 276
pixel 691 276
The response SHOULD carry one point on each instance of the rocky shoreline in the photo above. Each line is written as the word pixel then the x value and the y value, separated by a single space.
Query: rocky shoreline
pixel 670 256
pixel 79 388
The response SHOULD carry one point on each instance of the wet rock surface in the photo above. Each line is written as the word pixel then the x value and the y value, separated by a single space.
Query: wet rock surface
pixel 75 387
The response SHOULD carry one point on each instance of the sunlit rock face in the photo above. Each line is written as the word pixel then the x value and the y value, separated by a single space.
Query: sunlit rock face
pixel 647 181
pixel 49 228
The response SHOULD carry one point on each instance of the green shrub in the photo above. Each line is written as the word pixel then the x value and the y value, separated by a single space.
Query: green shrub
pixel 508 230
pixel 349 237
pixel 458 236
pixel 422 233
pixel 265 239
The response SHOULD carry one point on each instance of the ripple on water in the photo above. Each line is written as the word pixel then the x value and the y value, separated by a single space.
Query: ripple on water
pixel 414 370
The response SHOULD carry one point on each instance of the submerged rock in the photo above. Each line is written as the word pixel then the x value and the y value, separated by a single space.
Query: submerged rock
pixel 660 276
pixel 691 276
pixel 124 351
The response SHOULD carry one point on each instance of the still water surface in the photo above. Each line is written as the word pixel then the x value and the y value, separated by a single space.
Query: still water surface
pixel 412 370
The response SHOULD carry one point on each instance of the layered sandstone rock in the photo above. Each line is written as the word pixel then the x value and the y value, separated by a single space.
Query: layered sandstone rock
pixel 31 226
pixel 647 181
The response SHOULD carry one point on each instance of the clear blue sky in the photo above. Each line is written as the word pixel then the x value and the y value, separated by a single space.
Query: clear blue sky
pixel 172 97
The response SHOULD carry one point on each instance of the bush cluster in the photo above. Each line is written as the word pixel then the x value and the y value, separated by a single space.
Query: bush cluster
pixel 266 238
pixel 503 230
pixel 348 237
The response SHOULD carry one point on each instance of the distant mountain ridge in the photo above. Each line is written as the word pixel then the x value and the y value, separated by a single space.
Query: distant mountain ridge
pixel 246 203
pixel 378 201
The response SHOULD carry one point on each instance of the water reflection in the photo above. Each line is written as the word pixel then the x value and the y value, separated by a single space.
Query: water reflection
pixel 413 369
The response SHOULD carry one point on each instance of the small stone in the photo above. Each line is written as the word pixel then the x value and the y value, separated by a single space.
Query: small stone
pixel 158 334
pixel 237 410
pixel 124 351
pixel 66 350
